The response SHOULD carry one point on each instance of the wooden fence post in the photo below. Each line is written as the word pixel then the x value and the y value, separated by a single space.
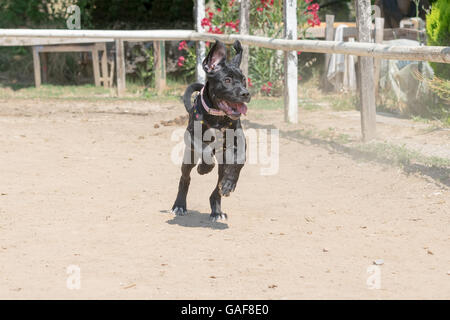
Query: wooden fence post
pixel 329 36
pixel 366 81
pixel 290 63
pixel 37 67
pixel 104 64
pixel 160 66
pixel 120 63
pixel 96 65
pixel 199 9
pixel 244 28
pixel 379 34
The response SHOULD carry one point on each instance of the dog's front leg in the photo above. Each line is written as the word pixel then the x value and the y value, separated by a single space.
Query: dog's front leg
pixel 232 167
pixel 230 178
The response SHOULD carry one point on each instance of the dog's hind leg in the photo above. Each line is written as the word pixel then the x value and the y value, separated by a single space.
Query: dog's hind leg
pixel 215 200
pixel 179 207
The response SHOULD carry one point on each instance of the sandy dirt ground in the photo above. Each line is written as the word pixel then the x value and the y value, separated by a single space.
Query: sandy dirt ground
pixel 90 184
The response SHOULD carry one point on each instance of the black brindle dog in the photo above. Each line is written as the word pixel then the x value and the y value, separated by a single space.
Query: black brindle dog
pixel 218 107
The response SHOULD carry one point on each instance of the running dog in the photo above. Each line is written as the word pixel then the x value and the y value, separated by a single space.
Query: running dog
pixel 217 107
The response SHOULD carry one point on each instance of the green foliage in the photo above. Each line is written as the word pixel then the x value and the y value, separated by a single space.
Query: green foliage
pixel 438 31
pixel 31 14
pixel 145 67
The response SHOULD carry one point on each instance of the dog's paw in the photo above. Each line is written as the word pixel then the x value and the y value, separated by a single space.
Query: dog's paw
pixel 179 210
pixel 217 216
pixel 226 186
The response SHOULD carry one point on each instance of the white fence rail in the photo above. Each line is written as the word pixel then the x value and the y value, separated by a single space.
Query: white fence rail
pixel 382 51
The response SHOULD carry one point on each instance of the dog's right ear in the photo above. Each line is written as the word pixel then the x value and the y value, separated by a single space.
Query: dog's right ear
pixel 216 57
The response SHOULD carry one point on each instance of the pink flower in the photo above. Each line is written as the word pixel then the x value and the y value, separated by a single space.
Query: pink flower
pixel 181 60
pixel 299 53
pixel 269 84
pixel 250 84
pixel 308 1
pixel 182 45
pixel 219 10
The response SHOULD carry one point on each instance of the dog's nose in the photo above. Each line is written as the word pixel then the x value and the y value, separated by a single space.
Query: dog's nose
pixel 245 94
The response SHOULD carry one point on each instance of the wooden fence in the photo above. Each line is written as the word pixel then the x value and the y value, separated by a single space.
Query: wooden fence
pixel 364 48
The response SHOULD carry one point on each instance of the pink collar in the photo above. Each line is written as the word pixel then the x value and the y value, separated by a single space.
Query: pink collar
pixel 211 111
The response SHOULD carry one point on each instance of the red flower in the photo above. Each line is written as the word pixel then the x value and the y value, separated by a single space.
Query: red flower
pixel 205 22
pixel 219 10
pixel 311 22
pixel 265 89
pixel 269 83
pixel 299 52
pixel 216 30
pixel 308 1
pixel 231 3
pixel 210 14
pixel 260 9
pixel 250 84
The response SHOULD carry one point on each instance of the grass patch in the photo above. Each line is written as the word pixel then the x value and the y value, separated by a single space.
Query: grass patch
pixel 309 105
pixel 400 155
pixel 267 104
pixel 344 102
pixel 54 91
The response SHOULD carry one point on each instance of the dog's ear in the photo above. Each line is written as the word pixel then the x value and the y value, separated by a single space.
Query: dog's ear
pixel 215 58
pixel 238 57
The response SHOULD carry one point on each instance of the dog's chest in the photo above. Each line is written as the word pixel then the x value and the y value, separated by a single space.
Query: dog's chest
pixel 208 121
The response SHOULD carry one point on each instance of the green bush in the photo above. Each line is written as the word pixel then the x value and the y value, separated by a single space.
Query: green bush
pixel 438 31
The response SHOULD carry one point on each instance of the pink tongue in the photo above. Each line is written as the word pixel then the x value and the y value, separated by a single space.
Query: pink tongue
pixel 242 108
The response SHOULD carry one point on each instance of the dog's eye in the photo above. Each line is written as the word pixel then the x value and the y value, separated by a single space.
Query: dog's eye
pixel 227 80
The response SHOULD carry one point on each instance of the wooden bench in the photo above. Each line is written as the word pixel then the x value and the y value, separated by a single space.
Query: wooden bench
pixel 104 77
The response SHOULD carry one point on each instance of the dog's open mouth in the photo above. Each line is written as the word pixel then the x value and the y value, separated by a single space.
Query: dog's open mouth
pixel 233 109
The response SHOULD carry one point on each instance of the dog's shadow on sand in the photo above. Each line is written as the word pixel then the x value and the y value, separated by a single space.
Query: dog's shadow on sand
pixel 194 219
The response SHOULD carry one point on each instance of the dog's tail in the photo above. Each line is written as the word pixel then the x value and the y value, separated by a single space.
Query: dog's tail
pixel 188 93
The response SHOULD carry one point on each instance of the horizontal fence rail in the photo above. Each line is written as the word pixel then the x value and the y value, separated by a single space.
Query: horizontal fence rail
pixel 382 51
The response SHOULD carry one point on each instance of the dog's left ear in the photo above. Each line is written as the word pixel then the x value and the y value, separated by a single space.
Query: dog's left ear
pixel 215 58
pixel 238 57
